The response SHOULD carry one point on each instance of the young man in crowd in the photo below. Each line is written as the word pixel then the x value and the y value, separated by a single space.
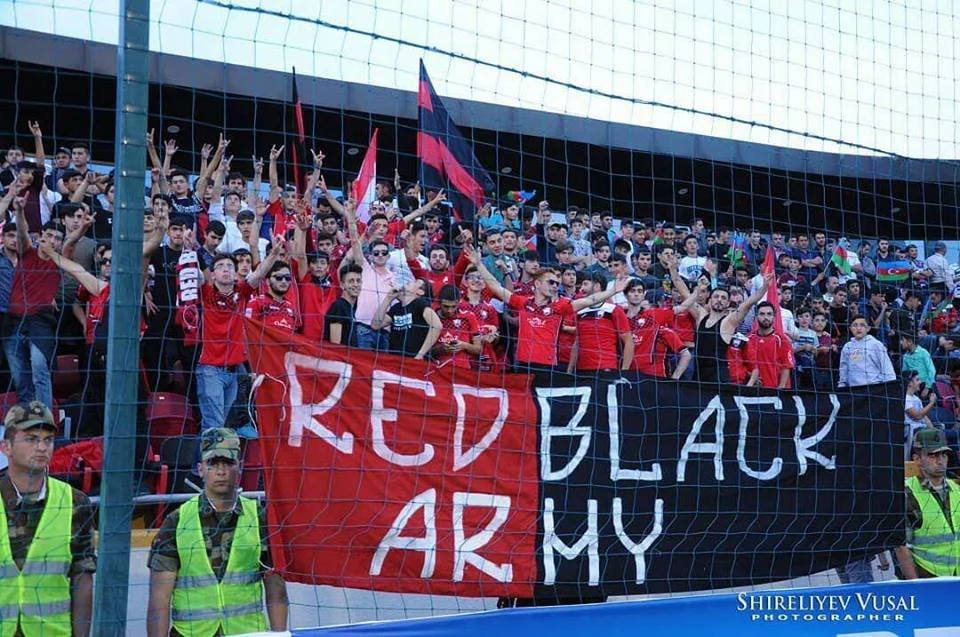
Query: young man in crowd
pixel 414 324
pixel 864 359
pixel 488 318
pixel 540 315
pixel 716 325
pixel 768 355
pixel 339 324
pixel 31 320
pixel 915 358
pixel 602 330
pixel 652 336
pixel 274 308
pixel 460 341
pixel 222 352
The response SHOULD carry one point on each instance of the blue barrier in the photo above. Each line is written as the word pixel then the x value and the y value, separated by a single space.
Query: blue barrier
pixel 889 609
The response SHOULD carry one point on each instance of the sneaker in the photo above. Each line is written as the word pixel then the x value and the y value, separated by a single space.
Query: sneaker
pixel 247 432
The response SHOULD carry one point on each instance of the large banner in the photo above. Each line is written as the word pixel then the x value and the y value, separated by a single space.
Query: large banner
pixel 386 473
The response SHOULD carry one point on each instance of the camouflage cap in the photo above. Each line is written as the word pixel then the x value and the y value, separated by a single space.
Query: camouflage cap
pixel 26 416
pixel 930 440
pixel 220 443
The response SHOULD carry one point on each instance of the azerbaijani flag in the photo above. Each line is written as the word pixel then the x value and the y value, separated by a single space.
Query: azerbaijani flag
pixel 737 249
pixel 658 238
pixel 893 271
pixel 520 196
pixel 840 258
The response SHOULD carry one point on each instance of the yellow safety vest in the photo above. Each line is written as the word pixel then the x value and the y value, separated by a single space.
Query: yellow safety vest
pixel 37 597
pixel 201 603
pixel 935 547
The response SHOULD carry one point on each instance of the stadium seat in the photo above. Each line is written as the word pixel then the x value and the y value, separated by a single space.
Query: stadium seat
pixel 66 376
pixel 947 395
pixel 169 415
pixel 178 456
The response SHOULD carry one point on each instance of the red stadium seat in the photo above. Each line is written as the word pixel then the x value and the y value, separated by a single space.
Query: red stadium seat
pixel 169 415
pixel 947 396
pixel 67 380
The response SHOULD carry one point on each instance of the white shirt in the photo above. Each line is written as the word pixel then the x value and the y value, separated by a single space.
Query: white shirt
pixel 397 263
pixel 938 264
pixel 691 267
pixel 913 402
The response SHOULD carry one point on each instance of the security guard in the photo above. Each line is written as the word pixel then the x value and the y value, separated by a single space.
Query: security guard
pixel 933 512
pixel 210 558
pixel 47 559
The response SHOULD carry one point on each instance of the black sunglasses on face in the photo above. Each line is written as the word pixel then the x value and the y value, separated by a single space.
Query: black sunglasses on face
pixel 281 277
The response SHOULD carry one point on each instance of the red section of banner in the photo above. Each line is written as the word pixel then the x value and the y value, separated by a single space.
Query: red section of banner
pixel 385 473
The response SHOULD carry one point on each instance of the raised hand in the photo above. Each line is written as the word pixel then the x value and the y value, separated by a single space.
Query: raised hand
pixel 472 254
pixel 206 151
pixel 441 196
pixel 322 185
pixel 225 164
pixel 155 175
pixel 543 205
pixel 170 146
pixel 257 165
pixel 35 128
pixel 150 138
pixel 318 158
pixel 222 144
pixel 276 152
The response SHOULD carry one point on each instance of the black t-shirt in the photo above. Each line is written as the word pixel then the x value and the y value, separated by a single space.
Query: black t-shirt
pixel 164 262
pixel 341 313
pixel 102 229
pixel 409 328
pixel 189 206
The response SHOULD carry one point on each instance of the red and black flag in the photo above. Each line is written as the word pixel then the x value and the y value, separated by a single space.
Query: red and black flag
pixel 446 159
pixel 301 164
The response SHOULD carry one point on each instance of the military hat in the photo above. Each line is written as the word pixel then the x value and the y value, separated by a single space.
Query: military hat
pixel 930 440
pixel 26 416
pixel 220 443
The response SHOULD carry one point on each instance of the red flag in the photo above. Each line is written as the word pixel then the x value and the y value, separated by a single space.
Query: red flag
pixel 365 186
pixel 384 473
pixel 773 294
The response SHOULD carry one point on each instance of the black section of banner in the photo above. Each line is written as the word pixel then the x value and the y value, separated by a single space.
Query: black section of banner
pixel 716 533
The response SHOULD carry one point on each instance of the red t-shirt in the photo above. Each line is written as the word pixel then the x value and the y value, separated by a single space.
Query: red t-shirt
pixel 222 336
pixel 599 330
pixel 651 342
pixel 315 300
pixel 96 310
pixel 35 282
pixel 463 327
pixel 282 314
pixel 488 320
pixel 683 325
pixel 769 355
pixel 566 341
pixel 539 327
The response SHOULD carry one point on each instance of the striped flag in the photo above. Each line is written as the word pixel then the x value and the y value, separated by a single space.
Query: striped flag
pixel 737 251
pixel 893 271
pixel 365 186
pixel 446 159
pixel 840 257
pixel 301 166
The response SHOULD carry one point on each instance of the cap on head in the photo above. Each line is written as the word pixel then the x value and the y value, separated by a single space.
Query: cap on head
pixel 930 440
pixel 220 443
pixel 27 416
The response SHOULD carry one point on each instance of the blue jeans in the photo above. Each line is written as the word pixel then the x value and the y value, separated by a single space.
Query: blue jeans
pixel 371 339
pixel 30 347
pixel 857 572
pixel 216 392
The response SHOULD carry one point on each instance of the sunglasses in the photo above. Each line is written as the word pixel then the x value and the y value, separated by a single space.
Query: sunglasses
pixel 281 277
pixel 106 261
pixel 552 282
pixel 379 253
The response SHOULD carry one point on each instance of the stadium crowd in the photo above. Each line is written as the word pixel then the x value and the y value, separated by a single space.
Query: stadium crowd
pixel 519 287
